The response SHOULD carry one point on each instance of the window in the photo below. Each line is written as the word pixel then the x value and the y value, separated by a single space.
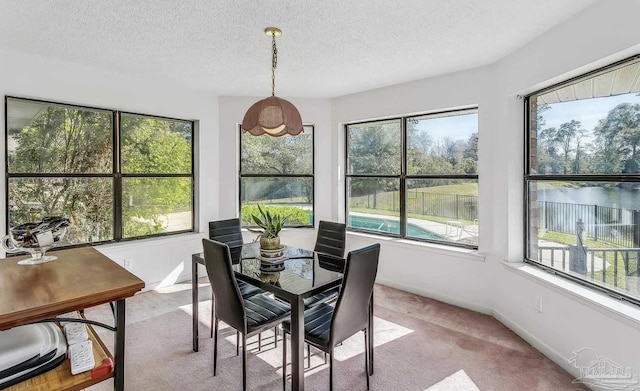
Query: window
pixel 277 172
pixel 583 179
pixel 415 177
pixel 114 175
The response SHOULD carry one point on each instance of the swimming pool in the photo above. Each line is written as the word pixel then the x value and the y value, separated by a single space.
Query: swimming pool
pixel 391 226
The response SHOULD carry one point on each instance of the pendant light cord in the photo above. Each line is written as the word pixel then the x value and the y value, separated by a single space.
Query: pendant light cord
pixel 274 63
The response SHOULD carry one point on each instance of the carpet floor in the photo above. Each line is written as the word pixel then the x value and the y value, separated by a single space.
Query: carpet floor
pixel 420 344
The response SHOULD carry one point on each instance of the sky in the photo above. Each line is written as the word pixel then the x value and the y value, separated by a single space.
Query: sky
pixel 587 111
pixel 455 127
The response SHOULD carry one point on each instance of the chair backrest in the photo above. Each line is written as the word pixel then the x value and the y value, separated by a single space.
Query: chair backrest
pixel 351 312
pixel 228 232
pixel 229 303
pixel 331 238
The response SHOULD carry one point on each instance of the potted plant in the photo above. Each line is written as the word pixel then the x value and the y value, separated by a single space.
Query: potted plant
pixel 270 225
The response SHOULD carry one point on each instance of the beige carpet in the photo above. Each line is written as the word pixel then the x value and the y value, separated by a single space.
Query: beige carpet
pixel 421 344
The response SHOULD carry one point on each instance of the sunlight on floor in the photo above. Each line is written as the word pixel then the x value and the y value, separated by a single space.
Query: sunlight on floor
pixel 459 381
pixel 169 281
pixel 385 331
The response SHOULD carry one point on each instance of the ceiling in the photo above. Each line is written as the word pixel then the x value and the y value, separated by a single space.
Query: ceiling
pixel 328 48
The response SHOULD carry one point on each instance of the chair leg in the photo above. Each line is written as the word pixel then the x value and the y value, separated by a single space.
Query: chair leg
pixel 238 343
pixel 259 342
pixel 244 362
pixel 213 308
pixel 215 345
pixel 366 355
pixel 284 361
pixel 331 370
pixel 275 336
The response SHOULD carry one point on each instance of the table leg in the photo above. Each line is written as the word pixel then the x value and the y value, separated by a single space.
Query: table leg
pixel 371 333
pixel 118 372
pixel 194 301
pixel 297 345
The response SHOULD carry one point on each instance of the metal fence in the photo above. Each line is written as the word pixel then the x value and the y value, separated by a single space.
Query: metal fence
pixel 613 267
pixel 452 206
pixel 616 226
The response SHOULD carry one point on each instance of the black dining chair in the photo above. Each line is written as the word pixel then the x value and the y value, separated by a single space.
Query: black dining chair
pixel 229 232
pixel 331 241
pixel 248 316
pixel 326 326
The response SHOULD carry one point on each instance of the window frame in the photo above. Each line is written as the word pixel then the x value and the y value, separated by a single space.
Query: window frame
pixel 530 177
pixel 403 176
pixel 115 175
pixel 255 175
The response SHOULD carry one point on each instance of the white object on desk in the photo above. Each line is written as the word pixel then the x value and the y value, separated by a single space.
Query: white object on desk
pixel 81 355
pixel 75 332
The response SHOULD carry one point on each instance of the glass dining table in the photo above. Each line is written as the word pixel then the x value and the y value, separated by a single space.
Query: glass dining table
pixel 303 274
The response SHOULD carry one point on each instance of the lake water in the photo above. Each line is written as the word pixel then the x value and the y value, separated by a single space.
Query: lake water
pixel 602 196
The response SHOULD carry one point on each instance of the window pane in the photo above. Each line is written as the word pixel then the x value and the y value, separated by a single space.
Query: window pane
pixel 443 209
pixel 155 146
pixel 374 148
pixel 277 155
pixel 155 205
pixel 291 197
pixel 591 126
pixel 87 202
pixel 374 204
pixel 50 138
pixel 590 230
pixel 442 145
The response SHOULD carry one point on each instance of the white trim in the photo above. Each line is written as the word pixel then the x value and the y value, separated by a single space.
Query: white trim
pixel 534 341
pixel 436 296
pixel 415 245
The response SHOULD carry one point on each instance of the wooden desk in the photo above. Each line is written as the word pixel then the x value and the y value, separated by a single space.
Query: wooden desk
pixel 78 279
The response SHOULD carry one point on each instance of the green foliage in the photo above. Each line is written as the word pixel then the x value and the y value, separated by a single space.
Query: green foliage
pixel 286 155
pixel 295 216
pixel 69 140
pixel 611 147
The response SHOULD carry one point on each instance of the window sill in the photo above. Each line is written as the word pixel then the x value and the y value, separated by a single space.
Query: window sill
pixel 132 244
pixel 450 251
pixel 607 305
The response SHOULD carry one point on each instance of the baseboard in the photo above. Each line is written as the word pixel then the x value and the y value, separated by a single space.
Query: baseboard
pixel 436 296
pixel 542 347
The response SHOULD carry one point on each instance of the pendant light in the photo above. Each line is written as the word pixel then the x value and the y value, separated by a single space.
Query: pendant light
pixel 273 115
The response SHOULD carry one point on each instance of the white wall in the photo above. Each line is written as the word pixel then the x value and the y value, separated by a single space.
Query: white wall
pixel 156 261
pixel 572 318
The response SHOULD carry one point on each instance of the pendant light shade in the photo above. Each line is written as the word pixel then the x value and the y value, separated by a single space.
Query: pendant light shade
pixel 273 116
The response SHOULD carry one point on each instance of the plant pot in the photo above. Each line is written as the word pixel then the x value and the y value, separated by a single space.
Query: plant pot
pixel 270 243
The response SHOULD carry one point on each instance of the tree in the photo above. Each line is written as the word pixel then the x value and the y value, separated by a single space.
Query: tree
pixel 374 149
pixel 619 138
pixel 567 137
pixel 286 155
pixel 77 143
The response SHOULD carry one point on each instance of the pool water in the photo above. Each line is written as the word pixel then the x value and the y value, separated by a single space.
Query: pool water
pixel 386 225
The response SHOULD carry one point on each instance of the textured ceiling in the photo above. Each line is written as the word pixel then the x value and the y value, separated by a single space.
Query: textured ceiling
pixel 328 48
